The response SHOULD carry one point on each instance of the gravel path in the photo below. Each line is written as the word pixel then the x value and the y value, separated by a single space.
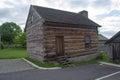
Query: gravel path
pixel 13 65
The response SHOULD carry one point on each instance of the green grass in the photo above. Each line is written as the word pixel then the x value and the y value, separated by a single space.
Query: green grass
pixel 44 64
pixel 12 53
pixel 53 64
pixel 103 57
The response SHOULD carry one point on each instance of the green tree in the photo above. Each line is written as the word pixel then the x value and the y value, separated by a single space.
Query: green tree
pixel 21 39
pixel 8 31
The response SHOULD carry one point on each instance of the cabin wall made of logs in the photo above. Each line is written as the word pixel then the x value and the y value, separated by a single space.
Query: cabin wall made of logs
pixel 74 40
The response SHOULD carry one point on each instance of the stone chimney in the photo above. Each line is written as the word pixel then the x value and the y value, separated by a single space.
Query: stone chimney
pixel 84 13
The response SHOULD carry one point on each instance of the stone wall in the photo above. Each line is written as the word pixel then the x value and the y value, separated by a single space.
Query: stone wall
pixel 84 57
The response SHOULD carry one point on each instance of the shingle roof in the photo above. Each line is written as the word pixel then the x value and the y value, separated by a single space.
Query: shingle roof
pixel 101 37
pixel 63 17
pixel 111 39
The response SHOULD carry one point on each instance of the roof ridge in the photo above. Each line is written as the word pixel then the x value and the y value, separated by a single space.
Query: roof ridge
pixel 112 38
pixel 62 16
pixel 61 10
pixel 55 9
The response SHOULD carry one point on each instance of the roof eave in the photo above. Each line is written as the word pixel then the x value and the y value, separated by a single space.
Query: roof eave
pixel 111 39
pixel 66 24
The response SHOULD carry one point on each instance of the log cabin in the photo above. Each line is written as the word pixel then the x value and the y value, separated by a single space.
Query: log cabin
pixel 114 47
pixel 51 33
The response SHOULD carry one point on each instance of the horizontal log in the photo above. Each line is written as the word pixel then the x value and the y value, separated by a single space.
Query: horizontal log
pixel 74 37
pixel 50 42
pixel 74 48
pixel 49 37
pixel 73 54
pixel 73 40
pixel 50 51
pixel 83 53
pixel 70 37
pixel 49 46
pixel 78 48
pixel 68 29
pixel 73 44
pixel 69 42
pixel 66 34
pixel 81 50
pixel 36 41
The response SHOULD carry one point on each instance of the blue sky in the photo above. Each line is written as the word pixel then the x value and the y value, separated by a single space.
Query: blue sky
pixel 104 12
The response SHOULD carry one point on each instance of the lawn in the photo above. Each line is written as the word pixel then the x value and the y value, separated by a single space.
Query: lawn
pixel 12 53
pixel 44 64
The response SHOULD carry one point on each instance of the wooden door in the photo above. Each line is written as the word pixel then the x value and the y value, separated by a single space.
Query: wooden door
pixel 59 45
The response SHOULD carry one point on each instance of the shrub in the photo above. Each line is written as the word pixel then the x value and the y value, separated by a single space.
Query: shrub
pixel 103 56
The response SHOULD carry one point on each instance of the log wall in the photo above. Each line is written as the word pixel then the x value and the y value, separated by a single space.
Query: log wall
pixel 74 44
pixel 34 34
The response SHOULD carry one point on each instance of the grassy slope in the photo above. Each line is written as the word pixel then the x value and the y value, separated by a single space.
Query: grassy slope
pixel 44 64
pixel 12 53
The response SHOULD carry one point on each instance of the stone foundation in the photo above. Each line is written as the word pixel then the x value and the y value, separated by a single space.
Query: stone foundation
pixel 84 58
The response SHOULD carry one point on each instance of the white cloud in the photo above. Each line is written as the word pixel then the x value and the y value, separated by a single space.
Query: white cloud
pixel 3 5
pixel 110 24
pixel 17 11
pixel 14 11
pixel 115 4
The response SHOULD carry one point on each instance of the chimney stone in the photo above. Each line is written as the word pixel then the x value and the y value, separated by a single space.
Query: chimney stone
pixel 84 13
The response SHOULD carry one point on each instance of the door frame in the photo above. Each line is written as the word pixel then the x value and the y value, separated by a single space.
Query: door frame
pixel 60 38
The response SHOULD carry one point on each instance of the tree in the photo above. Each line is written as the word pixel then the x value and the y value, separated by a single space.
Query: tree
pixel 9 31
pixel 21 39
